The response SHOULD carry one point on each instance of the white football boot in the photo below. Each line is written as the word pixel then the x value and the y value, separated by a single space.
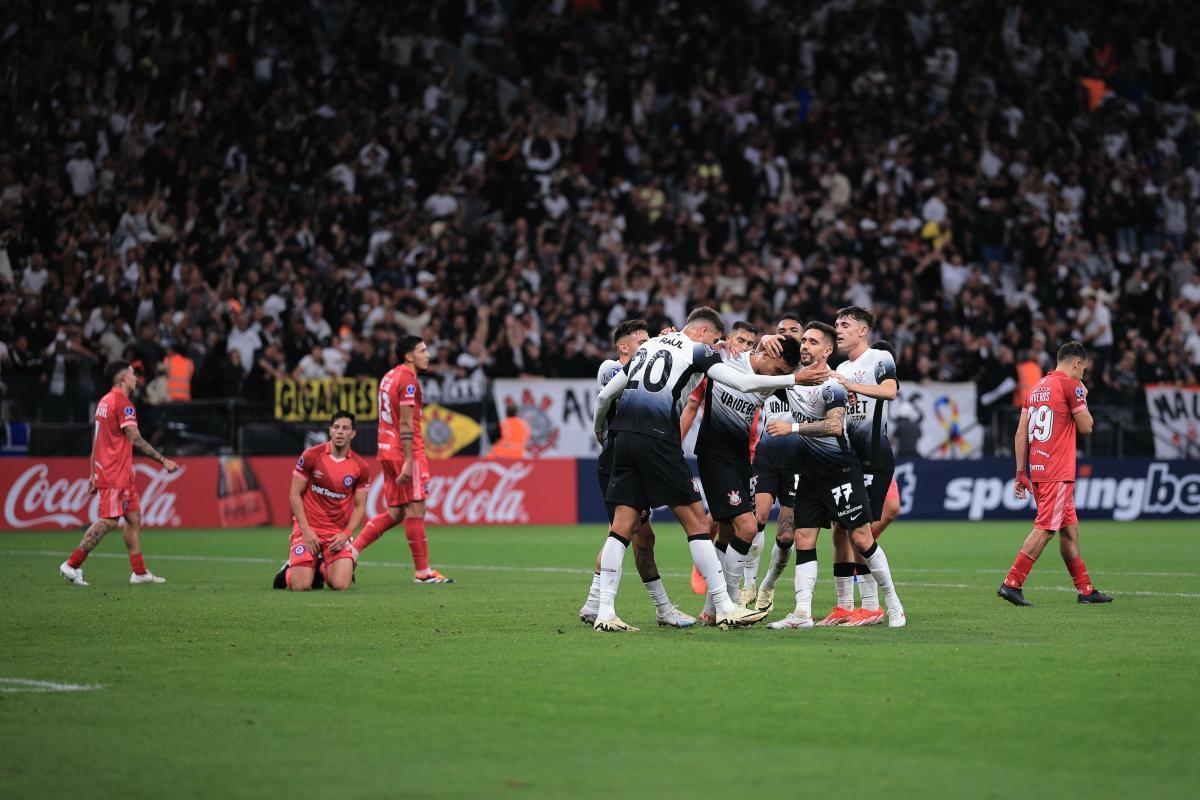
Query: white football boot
pixel 791 622
pixel 148 577
pixel 73 576
pixel 672 617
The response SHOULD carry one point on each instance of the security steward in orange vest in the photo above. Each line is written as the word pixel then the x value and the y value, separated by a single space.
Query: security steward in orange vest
pixel 180 370
pixel 514 435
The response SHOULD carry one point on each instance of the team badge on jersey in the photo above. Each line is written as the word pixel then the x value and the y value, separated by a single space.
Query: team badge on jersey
pixel 348 481
pixel 411 389
pixel 299 550
pixel 735 497
pixel 129 411
pixel 1079 392
pixel 300 462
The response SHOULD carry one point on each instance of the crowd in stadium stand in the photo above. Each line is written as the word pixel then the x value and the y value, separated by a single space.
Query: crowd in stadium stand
pixel 228 193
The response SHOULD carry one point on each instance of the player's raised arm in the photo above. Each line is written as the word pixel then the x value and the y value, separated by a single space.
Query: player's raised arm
pixel 607 395
pixel 747 381
pixel 145 448
pixel 1079 409
pixel 1021 484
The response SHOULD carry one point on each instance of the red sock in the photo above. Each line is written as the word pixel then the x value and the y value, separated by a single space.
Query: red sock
pixel 77 558
pixel 1079 574
pixel 138 563
pixel 1020 571
pixel 414 527
pixel 287 577
pixel 374 529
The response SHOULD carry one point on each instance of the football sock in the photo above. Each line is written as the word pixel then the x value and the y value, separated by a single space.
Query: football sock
pixel 1079 574
pixel 414 529
pixel 373 530
pixel 806 580
pixel 843 583
pixel 704 556
pixel 750 576
pixel 735 565
pixel 78 556
pixel 882 573
pixel 612 557
pixel 709 608
pixel 593 598
pixel 779 560
pixel 287 577
pixel 868 588
pixel 138 563
pixel 1020 570
pixel 658 593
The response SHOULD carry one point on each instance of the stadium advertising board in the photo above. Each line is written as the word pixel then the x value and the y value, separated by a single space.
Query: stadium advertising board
pixel 48 494
pixel 1175 419
pixel 313 400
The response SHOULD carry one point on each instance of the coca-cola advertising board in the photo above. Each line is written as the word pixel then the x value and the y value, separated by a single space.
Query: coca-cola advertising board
pixel 234 492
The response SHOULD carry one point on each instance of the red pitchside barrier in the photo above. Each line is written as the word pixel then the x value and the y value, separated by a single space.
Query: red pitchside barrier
pixel 234 492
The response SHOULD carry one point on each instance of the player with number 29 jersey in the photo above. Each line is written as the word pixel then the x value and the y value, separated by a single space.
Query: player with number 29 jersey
pixel 1052 405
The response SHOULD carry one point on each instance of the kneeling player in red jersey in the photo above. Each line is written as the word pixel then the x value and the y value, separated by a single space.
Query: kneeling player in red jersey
pixel 402 456
pixel 1054 411
pixel 111 476
pixel 328 499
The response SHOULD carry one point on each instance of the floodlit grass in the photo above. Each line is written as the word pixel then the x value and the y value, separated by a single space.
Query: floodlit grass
pixel 216 686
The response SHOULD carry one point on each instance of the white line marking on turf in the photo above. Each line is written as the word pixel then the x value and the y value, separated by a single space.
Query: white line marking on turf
pixel 26 685
pixel 579 571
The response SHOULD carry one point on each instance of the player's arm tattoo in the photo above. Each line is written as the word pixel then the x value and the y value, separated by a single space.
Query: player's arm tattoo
pixel 142 446
pixel 405 424
pixel 832 425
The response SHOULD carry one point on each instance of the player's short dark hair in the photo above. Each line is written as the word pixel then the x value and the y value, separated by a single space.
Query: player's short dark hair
pixel 342 414
pixel 114 369
pixel 709 315
pixel 793 316
pixel 885 346
pixel 790 352
pixel 628 328
pixel 826 330
pixel 742 325
pixel 1073 349
pixel 857 313
pixel 406 344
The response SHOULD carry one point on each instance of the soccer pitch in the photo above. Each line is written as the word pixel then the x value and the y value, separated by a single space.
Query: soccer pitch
pixel 215 685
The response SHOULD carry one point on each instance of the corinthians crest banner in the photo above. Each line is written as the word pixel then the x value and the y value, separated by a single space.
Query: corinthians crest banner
pixel 559 413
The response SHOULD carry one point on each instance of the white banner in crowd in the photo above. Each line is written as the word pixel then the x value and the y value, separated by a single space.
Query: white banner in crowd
pixel 1175 419
pixel 559 412
pixel 946 415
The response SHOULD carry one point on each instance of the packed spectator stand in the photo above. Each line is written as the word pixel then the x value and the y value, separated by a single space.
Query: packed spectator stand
pixel 231 193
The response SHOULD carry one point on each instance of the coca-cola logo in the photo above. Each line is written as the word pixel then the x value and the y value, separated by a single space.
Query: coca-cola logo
pixel 35 499
pixel 482 493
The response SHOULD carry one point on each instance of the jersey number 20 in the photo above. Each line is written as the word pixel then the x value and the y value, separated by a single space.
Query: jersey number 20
pixel 1041 423
pixel 651 383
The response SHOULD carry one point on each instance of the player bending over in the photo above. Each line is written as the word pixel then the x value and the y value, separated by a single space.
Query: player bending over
pixel 1054 411
pixel 111 475
pixel 329 500
pixel 402 456
pixel 831 484
pixel 648 465
pixel 627 338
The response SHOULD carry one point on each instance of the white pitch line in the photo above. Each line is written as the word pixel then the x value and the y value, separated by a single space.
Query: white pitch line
pixel 12 685
pixel 579 571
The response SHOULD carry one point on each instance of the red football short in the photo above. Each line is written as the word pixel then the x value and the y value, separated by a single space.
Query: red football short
pixel 300 556
pixel 412 490
pixel 116 503
pixel 1055 505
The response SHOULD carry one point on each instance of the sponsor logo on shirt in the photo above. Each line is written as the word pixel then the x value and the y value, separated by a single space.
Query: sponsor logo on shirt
pixel 332 495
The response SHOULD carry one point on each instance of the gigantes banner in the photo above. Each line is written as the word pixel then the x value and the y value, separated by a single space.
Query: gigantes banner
pixel 1175 419
pixel 312 400
pixel 46 494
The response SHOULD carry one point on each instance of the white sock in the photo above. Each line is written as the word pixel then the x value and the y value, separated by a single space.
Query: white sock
pixel 704 556
pixel 658 594
pixel 709 608
pixel 868 590
pixel 750 577
pixel 806 580
pixel 779 559
pixel 882 574
pixel 593 599
pixel 612 557
pixel 735 566
pixel 843 586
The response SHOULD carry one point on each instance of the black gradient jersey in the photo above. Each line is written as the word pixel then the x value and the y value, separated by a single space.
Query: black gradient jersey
pixel 729 415
pixel 608 370
pixel 866 418
pixel 772 450
pixel 817 456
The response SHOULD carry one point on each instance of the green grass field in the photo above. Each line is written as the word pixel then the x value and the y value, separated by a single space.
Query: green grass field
pixel 214 685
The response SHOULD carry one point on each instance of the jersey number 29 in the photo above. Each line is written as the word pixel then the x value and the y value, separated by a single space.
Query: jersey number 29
pixel 1041 423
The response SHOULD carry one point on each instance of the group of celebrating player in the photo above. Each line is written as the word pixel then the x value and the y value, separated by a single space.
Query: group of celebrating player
pixel 778 424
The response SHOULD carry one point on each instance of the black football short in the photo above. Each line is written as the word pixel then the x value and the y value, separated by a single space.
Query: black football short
pixel 726 484
pixel 650 472
pixel 776 482
pixel 604 476
pixel 877 484
pixel 822 500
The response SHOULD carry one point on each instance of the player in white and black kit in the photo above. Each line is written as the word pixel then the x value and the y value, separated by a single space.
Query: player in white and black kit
pixel 869 377
pixel 723 456
pixel 648 465
pixel 831 482
pixel 627 338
